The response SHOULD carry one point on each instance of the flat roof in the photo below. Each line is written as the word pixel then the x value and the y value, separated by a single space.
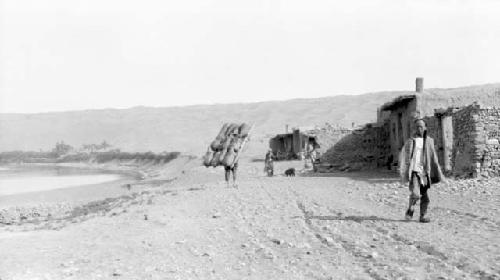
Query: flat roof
pixel 397 102
pixel 283 135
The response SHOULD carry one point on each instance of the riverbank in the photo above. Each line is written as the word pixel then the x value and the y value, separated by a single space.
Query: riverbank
pixel 329 226
pixel 57 204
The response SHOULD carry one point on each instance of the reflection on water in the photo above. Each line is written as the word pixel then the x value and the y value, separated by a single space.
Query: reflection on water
pixel 17 180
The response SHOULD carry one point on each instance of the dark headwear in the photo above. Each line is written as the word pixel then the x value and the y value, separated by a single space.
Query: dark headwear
pixel 420 119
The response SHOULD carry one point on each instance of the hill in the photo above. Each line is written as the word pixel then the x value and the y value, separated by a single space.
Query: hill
pixel 190 129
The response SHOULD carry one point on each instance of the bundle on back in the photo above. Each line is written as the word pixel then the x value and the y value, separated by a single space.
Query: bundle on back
pixel 226 147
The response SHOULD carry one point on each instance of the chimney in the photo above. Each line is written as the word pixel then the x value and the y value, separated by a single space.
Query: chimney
pixel 419 84
pixel 286 128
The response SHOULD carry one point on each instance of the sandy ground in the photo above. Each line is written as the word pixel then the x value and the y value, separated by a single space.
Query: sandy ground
pixel 333 226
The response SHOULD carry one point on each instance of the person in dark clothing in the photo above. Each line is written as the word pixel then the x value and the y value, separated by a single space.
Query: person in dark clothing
pixel 228 170
pixel 419 166
pixel 269 163
pixel 389 162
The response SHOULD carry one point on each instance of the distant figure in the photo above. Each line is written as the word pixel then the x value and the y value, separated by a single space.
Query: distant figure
pixel 313 155
pixel 290 172
pixel 310 157
pixel 389 162
pixel 228 170
pixel 269 163
pixel 418 165
pixel 316 160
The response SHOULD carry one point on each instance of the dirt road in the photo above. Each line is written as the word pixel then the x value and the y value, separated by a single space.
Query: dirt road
pixel 341 226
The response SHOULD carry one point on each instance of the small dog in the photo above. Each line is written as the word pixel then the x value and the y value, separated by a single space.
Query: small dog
pixel 290 172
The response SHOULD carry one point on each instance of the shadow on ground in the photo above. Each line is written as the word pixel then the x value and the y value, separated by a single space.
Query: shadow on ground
pixel 357 219
pixel 382 176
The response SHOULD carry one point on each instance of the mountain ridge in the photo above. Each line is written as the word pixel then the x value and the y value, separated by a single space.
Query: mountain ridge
pixel 189 129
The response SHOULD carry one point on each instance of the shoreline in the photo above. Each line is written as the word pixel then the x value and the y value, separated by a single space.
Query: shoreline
pixel 116 168
pixel 40 210
pixel 344 224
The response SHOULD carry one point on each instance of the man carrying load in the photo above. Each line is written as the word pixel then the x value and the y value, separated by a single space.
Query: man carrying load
pixel 226 149
pixel 231 162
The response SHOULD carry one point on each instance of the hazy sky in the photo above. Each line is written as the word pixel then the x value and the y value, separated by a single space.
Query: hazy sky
pixel 72 54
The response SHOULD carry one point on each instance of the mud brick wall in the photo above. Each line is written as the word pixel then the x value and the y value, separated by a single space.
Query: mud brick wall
pixel 327 137
pixel 365 148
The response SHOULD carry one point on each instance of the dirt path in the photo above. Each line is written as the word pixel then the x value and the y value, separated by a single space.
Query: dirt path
pixel 344 226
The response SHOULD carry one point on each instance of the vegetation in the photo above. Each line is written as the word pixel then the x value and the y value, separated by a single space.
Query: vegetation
pixel 96 153
pixel 163 157
pixel 28 157
pixel 94 148
pixel 61 149
pixel 102 157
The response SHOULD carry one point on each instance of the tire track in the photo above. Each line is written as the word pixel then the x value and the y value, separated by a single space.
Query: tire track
pixel 426 248
pixel 367 263
pixel 473 217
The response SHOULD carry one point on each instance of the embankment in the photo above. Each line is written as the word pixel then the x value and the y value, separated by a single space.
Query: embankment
pixel 140 176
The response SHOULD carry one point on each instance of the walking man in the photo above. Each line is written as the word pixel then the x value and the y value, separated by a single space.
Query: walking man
pixel 419 166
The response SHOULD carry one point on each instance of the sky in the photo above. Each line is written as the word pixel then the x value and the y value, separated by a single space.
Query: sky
pixel 61 55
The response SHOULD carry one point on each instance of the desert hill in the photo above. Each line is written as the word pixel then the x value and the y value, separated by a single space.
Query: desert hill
pixel 189 129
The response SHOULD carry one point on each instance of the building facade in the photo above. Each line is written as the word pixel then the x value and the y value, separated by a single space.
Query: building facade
pixel 466 134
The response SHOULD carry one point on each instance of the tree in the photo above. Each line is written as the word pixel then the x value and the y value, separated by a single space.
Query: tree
pixel 104 145
pixel 91 148
pixel 61 148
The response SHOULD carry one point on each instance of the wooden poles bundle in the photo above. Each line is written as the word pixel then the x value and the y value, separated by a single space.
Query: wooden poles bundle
pixel 227 145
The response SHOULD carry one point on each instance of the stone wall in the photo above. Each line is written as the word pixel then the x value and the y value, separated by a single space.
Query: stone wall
pixel 476 149
pixel 466 141
pixel 466 138
pixel 474 142
pixel 365 148
pixel 488 124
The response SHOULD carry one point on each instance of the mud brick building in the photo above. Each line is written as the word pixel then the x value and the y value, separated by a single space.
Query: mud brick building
pixel 292 145
pixel 362 148
pixel 466 133
pixel 461 131
pixel 299 142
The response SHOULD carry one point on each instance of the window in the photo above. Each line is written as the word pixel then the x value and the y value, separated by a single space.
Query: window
pixel 408 129
pixel 394 131
pixel 400 129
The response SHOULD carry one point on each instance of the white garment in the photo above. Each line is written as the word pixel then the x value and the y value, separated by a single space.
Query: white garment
pixel 417 161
